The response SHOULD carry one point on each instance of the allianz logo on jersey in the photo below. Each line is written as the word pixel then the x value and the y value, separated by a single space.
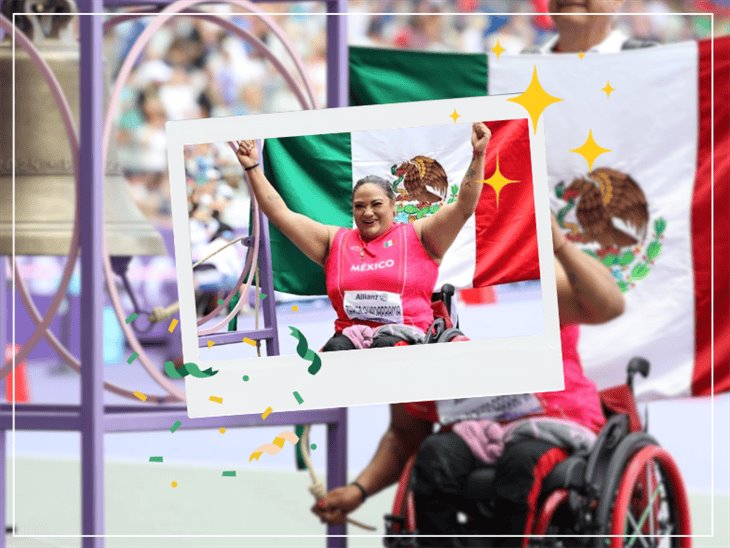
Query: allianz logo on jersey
pixel 372 266
pixel 371 297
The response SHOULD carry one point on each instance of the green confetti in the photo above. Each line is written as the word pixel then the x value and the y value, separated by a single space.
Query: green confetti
pixel 221 301
pixel 175 426
pixel 262 295
pixel 297 397
pixel 229 474
pixel 156 459
pixel 187 369
pixel 305 352
pixel 313 447
pixel 246 378
pixel 129 319
pixel 131 358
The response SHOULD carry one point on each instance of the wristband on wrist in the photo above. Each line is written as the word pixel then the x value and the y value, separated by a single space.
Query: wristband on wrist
pixel 361 489
pixel 249 168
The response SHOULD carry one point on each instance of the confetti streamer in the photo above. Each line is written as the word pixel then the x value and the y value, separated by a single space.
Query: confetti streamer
pixel 229 473
pixel 305 352
pixel 140 396
pixel 187 369
pixel 173 325
pixel 216 399
pixel 249 341
pixel 265 414
pixel 275 446
pixel 156 459
pixel 129 319
pixel 297 397
pixel 131 358
pixel 175 426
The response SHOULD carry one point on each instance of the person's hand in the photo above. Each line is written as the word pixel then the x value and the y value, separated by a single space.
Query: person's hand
pixel 247 153
pixel 334 507
pixel 559 238
pixel 480 136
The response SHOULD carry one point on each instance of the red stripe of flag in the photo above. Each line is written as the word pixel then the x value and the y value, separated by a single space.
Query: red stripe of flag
pixel 506 238
pixel 701 211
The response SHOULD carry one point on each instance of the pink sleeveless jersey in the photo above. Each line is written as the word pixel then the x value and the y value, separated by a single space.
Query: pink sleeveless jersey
pixel 386 280
pixel 579 401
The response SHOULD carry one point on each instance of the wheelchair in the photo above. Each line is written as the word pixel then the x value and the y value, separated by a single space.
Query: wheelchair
pixel 625 491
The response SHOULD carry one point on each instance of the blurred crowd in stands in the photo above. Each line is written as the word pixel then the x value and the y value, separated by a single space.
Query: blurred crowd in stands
pixel 193 69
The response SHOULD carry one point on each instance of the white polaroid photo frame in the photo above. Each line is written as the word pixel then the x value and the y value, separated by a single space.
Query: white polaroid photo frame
pixel 375 376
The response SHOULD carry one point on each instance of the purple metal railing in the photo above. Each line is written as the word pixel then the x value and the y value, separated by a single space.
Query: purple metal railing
pixel 92 418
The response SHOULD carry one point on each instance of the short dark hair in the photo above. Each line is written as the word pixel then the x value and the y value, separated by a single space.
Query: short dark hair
pixel 384 185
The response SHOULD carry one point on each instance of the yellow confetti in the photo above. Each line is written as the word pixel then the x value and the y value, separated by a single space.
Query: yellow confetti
pixel 294 308
pixel 454 115
pixel 535 99
pixel 590 150
pixel 173 484
pixel 274 447
pixel 608 89
pixel 249 341
pixel 210 343
pixel 173 325
pixel 216 399
pixel 222 430
pixel 498 49
pixel 498 181
pixel 265 414
pixel 140 396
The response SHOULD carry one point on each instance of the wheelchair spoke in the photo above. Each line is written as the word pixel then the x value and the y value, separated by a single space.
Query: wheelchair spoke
pixel 644 515
pixel 637 529
pixel 649 477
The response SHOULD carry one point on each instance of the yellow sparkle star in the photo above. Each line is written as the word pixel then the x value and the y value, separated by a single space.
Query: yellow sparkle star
pixel 498 49
pixel 535 99
pixel 497 181
pixel 590 150
pixel 581 55
pixel 608 89
pixel 454 115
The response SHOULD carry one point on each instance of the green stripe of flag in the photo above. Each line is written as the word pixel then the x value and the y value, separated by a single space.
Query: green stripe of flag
pixel 379 75
pixel 313 174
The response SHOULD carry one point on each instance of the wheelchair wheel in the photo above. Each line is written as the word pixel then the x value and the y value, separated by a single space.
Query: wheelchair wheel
pixel 400 525
pixel 644 502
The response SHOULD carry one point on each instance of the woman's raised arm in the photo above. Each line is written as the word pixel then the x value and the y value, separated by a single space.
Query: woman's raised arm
pixel 312 238
pixel 439 231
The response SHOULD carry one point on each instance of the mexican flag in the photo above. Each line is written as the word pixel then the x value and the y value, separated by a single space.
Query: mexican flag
pixel 633 174
pixel 315 175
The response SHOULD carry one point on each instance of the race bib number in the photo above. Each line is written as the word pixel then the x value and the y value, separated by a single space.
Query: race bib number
pixel 373 306
pixel 496 408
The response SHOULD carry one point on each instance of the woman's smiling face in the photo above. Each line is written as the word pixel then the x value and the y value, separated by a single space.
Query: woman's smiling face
pixel 373 211
pixel 573 12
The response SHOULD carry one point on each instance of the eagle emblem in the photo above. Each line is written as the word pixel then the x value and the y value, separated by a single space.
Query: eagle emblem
pixel 421 188
pixel 424 179
pixel 612 215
